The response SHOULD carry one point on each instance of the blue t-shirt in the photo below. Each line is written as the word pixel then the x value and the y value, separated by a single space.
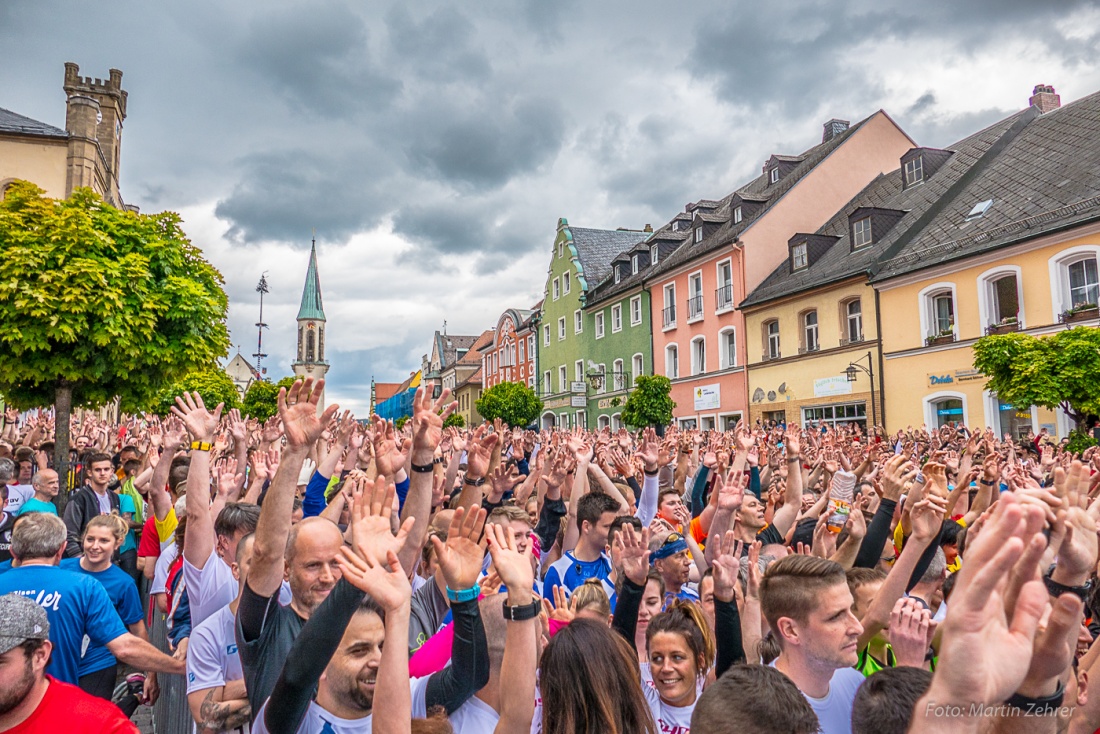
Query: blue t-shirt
pixel 37 505
pixel 126 504
pixel 75 604
pixel 567 571
pixel 124 596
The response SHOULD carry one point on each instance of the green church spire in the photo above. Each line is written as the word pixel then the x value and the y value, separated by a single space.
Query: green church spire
pixel 312 308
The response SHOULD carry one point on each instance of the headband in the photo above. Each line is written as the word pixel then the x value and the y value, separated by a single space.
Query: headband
pixel 671 547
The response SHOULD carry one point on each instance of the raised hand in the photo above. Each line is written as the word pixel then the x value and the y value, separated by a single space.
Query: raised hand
pixel 226 477
pixel 752 587
pixel 633 553
pixel 503 479
pixel 731 492
pixel 910 632
pixel 898 473
pixel 238 429
pixel 562 611
pixel 273 429
pixel 1077 553
pixel 513 567
pixel 479 451
pixel 650 450
pixel 460 558
pixel 370 529
pixel 175 433
pixel 427 420
pixel 298 412
pixel 727 566
pixel 388 458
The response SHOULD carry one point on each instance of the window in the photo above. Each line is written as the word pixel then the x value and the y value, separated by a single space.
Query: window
pixel 853 325
pixel 698 235
pixel 727 349
pixel 531 345
pixel 561 328
pixel 563 379
pixel 565 282
pixel 546 388
pixel 1005 295
pixel 773 175
pixel 836 415
pixel 561 249
pixel 522 357
pixel 695 300
pixel 723 295
pixel 578 371
pixel 599 325
pixel 771 340
pixel 861 232
pixel 979 210
pixel 1083 283
pixel 616 421
pixel 945 408
pixel 546 335
pixel 914 171
pixel 943 313
pixel 603 421
pixel 619 374
pixel 616 318
pixel 637 368
pixel 737 216
pixel 618 276
pixel 654 253
pixel 668 315
pixel 531 382
pixel 578 322
pixel 602 369
pixel 635 310
pixel 937 311
pixel 799 257
pixel 672 362
pixel 557 289
pixel 698 355
pixel 635 264
pixel 809 332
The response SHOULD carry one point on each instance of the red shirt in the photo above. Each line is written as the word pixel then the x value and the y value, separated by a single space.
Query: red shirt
pixel 149 546
pixel 68 709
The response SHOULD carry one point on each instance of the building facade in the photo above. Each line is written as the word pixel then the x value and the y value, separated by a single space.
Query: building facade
pixel 86 153
pixel 580 259
pixel 1014 249
pixel 699 336
pixel 510 356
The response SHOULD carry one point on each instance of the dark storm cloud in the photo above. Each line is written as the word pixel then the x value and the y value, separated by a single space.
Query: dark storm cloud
pixel 319 57
pixel 796 56
pixel 441 47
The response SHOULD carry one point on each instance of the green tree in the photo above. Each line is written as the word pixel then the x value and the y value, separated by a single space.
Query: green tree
pixel 400 422
pixel 1057 371
pixel 650 403
pixel 98 303
pixel 512 402
pixel 454 420
pixel 214 386
pixel 260 400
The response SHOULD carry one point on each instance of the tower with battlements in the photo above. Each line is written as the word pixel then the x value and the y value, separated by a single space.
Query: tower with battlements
pixel 95 110
pixel 310 361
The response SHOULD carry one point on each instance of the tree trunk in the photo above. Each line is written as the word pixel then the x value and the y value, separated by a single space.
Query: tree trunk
pixel 63 408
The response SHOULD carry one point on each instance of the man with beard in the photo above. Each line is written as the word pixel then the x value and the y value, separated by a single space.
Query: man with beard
pixel 31 700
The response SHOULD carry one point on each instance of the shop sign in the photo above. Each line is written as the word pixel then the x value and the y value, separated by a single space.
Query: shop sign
pixel 950 378
pixel 708 397
pixel 828 386
pixel 577 387
pixel 578 401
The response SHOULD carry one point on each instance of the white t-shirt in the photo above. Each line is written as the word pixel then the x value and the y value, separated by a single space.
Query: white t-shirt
pixel 316 717
pixel 160 573
pixel 834 712
pixel 17 495
pixel 104 501
pixel 212 658
pixel 670 719
pixel 209 588
pixel 474 717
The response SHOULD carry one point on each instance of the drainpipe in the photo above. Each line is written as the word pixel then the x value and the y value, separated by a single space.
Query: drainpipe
pixel 881 370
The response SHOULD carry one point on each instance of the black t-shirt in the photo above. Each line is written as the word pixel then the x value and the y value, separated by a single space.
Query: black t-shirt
pixel 766 536
pixel 265 633
pixel 5 536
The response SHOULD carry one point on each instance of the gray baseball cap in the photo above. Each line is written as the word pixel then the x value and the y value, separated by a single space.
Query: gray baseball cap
pixel 21 620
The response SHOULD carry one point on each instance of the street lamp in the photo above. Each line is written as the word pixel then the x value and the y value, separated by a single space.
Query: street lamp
pixel 869 370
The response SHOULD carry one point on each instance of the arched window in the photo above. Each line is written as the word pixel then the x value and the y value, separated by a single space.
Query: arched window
pixel 727 348
pixel 672 362
pixel 771 340
pixel 698 355
pixel 852 315
pixel 810 341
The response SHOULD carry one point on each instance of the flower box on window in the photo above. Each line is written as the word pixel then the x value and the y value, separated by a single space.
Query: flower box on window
pixel 1083 312
pixel 944 337
pixel 1007 326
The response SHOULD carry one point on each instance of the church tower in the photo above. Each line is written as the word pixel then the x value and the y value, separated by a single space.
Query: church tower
pixel 310 361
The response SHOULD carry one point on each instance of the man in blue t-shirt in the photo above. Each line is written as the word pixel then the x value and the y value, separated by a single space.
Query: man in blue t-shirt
pixel 76 605
pixel 595 513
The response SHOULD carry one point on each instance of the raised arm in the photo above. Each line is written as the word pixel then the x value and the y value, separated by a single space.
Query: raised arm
pixel 302 425
pixel 785 516
pixel 172 437
pixel 427 420
pixel 517 669
pixel 198 541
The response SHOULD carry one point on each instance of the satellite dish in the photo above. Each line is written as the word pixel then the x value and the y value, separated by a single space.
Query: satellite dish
pixel 783 388
pixel 771 395
pixel 758 395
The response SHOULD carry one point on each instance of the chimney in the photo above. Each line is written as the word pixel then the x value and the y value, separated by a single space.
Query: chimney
pixel 1044 98
pixel 833 128
pixel 648 228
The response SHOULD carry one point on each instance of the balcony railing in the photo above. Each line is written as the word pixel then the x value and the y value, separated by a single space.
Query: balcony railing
pixel 668 316
pixel 695 307
pixel 724 296
pixel 846 340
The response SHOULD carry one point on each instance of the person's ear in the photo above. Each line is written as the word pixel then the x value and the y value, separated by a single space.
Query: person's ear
pixel 788 629
pixel 1082 688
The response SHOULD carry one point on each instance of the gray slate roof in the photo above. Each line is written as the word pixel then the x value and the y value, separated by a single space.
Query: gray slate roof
pixel 448 346
pixel 596 248
pixel 11 122
pixel 839 262
pixel 1047 178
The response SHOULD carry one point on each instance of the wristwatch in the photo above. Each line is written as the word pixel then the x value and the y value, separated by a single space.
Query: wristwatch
pixel 1056 589
pixel 1038 706
pixel 473 482
pixel 469 594
pixel 523 612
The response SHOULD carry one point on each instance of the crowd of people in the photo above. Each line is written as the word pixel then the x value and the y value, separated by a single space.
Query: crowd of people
pixel 772 578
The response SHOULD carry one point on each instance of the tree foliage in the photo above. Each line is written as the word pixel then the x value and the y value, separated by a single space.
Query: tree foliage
pixel 214 386
pixel 98 303
pixel 260 400
pixel 454 420
pixel 650 403
pixel 512 402
pixel 1057 371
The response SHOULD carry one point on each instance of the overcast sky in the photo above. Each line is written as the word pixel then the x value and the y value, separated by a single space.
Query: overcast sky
pixel 434 145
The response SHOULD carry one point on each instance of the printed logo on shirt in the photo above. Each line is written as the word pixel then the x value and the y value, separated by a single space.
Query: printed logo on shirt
pixel 43 599
pixel 190 677
pixel 231 649
pixel 667 728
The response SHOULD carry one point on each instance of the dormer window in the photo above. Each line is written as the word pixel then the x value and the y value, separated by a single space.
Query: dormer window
pixel 914 172
pixel 635 264
pixel 737 215
pixel 773 175
pixel 698 235
pixel 618 275
pixel 799 256
pixel 654 251
pixel 861 232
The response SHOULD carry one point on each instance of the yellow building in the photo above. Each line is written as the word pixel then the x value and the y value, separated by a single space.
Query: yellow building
pixel 85 153
pixel 467 394
pixel 1013 247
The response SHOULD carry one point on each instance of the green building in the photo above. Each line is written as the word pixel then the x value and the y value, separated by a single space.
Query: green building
pixel 568 344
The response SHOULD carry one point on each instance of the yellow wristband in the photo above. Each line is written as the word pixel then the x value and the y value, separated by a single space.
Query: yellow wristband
pixel 200 446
